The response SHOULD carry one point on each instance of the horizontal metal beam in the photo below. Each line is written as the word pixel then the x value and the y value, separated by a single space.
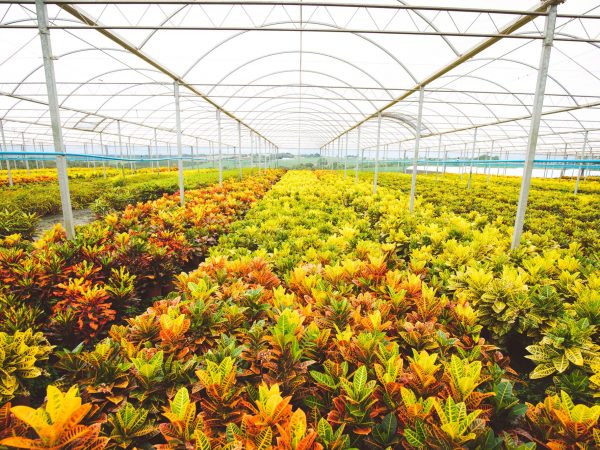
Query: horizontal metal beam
pixel 307 30
pixel 393 6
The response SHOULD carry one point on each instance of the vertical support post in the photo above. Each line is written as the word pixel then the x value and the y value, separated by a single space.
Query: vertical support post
pixel 92 150
pixel 195 164
pixel 42 151
pixel 5 149
pixel 445 159
pixel 240 148
pixel 261 151
pixel 169 156
pixel 337 161
pixel 121 148
pixel 157 154
pixel 357 154
pixel 472 158
pixel 26 158
pixel 105 149
pixel 538 103
pixel 413 183
pixel 257 148
pixel 87 160
pixel 37 162
pixel 251 161
pixel 439 152
pixel 376 172
pixel 179 146
pixel 581 169
pixel 562 170
pixel 130 154
pixel 59 148
pixel 346 158
pixel 489 168
pixel 220 147
pixel 267 155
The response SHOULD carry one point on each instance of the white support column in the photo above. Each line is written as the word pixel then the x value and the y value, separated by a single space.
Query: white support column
pixel 562 170
pixel 489 168
pixel 267 155
pixel 157 154
pixel 337 161
pixel 25 157
pixel 5 149
pixel 472 158
pixel 92 151
pixel 257 139
pixel 581 169
pixel 130 154
pixel 439 153
pixel 87 161
pixel 220 147
pixel 538 103
pixel 197 154
pixel 59 148
pixel 105 149
pixel 357 154
pixel 260 152
pixel 179 146
pixel 121 148
pixel 346 158
pixel 376 172
pixel 37 162
pixel 445 159
pixel 150 162
pixel 413 183
pixel 251 159
pixel 240 148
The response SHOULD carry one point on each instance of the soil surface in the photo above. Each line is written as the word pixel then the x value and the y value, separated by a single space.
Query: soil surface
pixel 80 217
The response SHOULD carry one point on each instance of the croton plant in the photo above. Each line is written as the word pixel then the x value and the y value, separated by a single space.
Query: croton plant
pixel 74 289
pixel 327 318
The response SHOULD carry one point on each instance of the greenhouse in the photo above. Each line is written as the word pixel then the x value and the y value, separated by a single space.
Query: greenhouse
pixel 300 225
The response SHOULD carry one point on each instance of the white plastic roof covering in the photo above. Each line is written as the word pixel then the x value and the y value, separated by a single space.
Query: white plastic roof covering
pixel 297 86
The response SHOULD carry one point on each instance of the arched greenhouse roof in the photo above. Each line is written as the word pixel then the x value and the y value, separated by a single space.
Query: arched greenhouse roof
pixel 303 75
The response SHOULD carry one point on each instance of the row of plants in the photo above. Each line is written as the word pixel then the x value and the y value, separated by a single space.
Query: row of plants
pixel 335 320
pixel 74 289
pixel 23 205
pixel 45 175
pixel 552 206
